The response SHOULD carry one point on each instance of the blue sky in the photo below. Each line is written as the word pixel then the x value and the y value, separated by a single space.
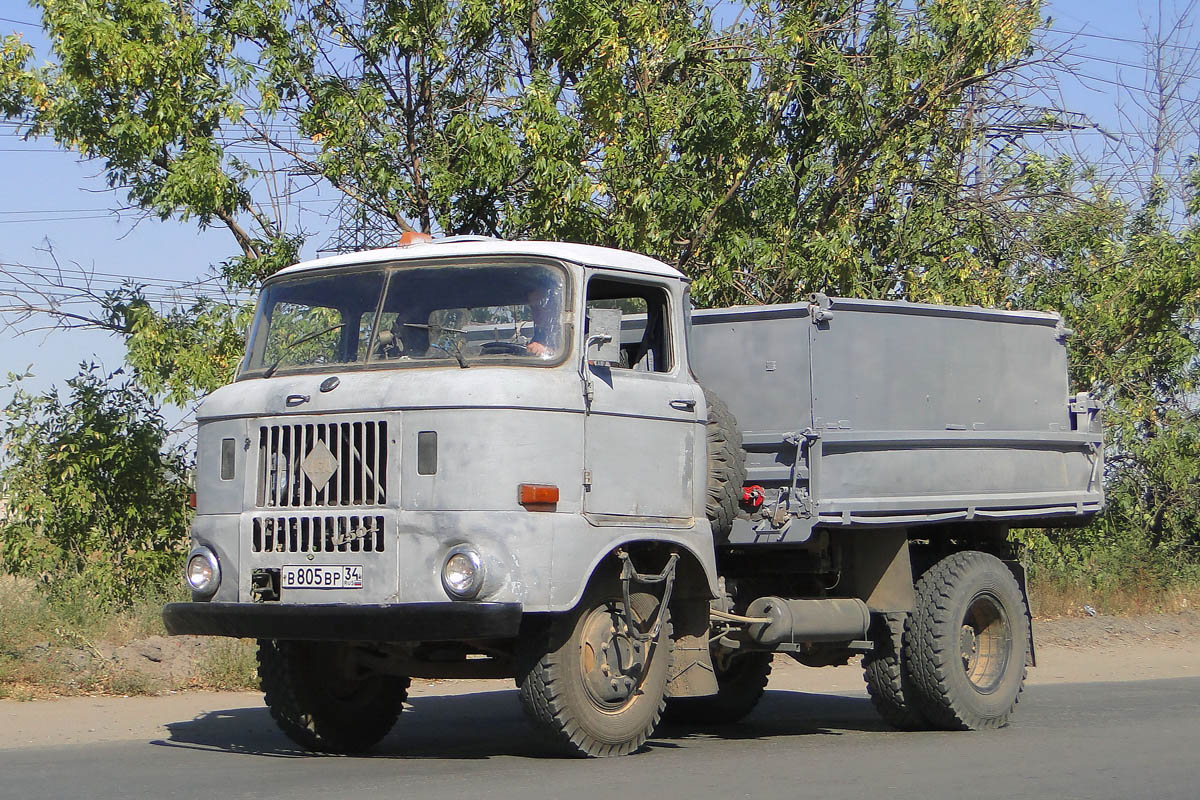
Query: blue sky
pixel 50 198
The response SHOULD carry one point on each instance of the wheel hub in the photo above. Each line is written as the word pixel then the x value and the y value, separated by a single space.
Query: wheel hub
pixel 969 646
pixel 985 642
pixel 613 661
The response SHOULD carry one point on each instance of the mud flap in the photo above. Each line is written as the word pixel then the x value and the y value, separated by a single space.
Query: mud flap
pixel 1018 571
pixel 691 672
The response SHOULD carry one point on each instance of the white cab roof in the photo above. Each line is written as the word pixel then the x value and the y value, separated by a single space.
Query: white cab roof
pixel 455 247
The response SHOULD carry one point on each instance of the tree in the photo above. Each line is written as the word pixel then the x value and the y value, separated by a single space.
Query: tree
pixel 97 497
pixel 768 150
pixel 781 149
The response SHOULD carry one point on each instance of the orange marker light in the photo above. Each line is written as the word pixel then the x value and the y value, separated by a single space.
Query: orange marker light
pixel 413 237
pixel 537 496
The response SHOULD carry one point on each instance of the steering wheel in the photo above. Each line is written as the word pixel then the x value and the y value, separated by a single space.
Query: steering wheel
pixel 388 345
pixel 503 348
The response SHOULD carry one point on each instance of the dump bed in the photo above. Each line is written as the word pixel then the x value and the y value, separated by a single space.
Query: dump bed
pixel 858 412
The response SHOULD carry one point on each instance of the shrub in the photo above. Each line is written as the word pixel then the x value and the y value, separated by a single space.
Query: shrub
pixel 97 498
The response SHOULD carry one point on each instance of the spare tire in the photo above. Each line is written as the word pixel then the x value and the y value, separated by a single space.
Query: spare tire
pixel 726 466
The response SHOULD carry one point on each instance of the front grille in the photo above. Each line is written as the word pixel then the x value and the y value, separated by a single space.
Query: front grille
pixel 348 460
pixel 334 534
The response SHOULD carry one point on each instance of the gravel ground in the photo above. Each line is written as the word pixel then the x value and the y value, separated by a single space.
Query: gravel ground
pixel 1098 631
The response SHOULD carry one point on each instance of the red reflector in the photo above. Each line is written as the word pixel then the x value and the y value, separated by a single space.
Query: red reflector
pixel 537 494
pixel 192 500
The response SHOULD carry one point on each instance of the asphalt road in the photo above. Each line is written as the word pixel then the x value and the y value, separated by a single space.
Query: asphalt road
pixel 1093 740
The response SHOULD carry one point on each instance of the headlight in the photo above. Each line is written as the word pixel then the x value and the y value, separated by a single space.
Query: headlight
pixel 203 571
pixel 462 572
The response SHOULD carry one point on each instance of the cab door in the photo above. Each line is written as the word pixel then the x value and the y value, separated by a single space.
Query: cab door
pixel 643 428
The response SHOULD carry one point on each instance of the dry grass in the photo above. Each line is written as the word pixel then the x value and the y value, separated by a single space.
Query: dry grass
pixel 229 665
pixel 55 648
pixel 1059 597
pixel 63 647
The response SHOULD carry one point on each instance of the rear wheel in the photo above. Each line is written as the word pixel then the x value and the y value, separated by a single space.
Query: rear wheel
pixel 741 681
pixel 889 686
pixel 598 688
pixel 967 642
pixel 320 702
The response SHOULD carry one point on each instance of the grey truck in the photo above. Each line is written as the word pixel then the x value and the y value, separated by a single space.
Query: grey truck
pixel 532 460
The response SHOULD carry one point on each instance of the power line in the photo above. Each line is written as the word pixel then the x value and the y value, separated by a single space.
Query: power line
pixel 1143 67
pixel 46 274
pixel 63 211
pixel 1141 42
pixel 87 295
pixel 64 289
pixel 79 294
pixel 42 269
pixel 20 22
pixel 57 219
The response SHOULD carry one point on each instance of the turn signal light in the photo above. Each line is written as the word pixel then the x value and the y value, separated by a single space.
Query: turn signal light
pixel 413 237
pixel 537 494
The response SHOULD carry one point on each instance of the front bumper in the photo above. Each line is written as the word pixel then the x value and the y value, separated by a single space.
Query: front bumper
pixel 408 622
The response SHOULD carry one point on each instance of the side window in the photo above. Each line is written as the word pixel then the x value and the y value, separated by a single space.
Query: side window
pixel 645 322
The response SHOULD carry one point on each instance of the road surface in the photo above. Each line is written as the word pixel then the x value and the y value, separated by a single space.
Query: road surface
pixel 1123 740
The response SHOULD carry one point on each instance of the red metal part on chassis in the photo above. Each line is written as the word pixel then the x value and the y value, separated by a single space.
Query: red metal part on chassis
pixel 753 496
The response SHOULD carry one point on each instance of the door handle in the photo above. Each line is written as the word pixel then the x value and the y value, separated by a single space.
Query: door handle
pixel 683 405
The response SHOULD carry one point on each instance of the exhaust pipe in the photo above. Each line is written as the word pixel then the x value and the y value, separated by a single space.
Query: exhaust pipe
pixel 833 619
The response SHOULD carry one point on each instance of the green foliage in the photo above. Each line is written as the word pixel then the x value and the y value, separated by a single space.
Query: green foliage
pixel 833 145
pixel 1128 283
pixel 15 94
pixel 804 146
pixel 182 353
pixel 97 499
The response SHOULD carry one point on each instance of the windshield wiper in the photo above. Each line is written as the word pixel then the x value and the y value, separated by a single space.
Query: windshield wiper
pixel 271 369
pixel 438 330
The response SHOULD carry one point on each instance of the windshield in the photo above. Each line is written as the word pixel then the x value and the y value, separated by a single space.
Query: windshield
pixel 456 316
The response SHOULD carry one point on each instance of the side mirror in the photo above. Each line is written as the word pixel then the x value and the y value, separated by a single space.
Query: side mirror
pixel 604 336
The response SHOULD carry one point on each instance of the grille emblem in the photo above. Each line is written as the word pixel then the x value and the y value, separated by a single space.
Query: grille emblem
pixel 319 465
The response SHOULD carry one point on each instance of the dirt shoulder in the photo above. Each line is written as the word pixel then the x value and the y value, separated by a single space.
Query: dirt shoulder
pixel 1070 650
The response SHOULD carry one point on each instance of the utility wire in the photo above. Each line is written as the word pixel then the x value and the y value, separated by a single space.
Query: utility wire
pixel 20 272
pixel 57 219
pixel 62 211
pixel 1140 42
pixel 20 22
pixel 47 272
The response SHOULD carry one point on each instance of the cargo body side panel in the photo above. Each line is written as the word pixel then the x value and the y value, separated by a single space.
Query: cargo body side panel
pixel 918 413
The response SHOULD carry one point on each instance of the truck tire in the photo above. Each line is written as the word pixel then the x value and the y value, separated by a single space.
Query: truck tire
pixel 577 695
pixel 967 642
pixel 317 706
pixel 888 683
pixel 741 681
pixel 726 466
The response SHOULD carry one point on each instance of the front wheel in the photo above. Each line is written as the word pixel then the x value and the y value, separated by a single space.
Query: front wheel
pixel 966 643
pixel 318 700
pixel 598 688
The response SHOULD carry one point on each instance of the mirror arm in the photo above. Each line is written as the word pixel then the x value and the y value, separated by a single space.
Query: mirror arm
pixel 588 390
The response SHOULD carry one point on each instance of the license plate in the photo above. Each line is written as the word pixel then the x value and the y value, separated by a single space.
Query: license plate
pixel 306 576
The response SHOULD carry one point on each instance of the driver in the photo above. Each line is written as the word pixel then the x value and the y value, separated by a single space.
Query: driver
pixel 544 308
